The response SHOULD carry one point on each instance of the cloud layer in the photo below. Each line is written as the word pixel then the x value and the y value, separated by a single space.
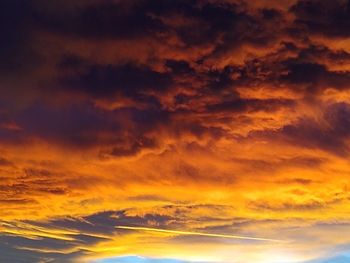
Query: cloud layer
pixel 217 116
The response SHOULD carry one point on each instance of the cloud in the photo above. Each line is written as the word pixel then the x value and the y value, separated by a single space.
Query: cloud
pixel 214 116
pixel 328 18
pixel 109 80
pixel 98 20
pixel 329 136
pixel 15 30
pixel 4 162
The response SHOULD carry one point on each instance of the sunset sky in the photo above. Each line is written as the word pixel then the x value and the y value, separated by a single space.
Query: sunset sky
pixel 174 131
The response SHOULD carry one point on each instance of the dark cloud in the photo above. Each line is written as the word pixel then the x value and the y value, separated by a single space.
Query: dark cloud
pixel 288 206
pixel 110 80
pixel 135 147
pixel 20 249
pixel 101 20
pixel 87 230
pixel 42 245
pixel 11 254
pixel 223 18
pixel 105 223
pixel 315 74
pixel 149 18
pixel 307 132
pixel 82 125
pixel 250 105
pixel 116 218
pixel 250 28
pixel 9 201
pixel 338 116
pixel 74 124
pixel 219 79
pixel 5 162
pixel 330 18
pixel 15 27
pixel 304 69
pixel 300 181
pixel 179 67
pixel 316 53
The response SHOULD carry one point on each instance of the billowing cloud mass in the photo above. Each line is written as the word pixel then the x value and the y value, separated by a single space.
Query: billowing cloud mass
pixel 146 130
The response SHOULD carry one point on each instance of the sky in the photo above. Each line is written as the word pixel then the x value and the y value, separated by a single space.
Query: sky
pixel 174 131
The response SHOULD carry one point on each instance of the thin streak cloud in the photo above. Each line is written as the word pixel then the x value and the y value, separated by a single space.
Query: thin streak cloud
pixel 179 232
